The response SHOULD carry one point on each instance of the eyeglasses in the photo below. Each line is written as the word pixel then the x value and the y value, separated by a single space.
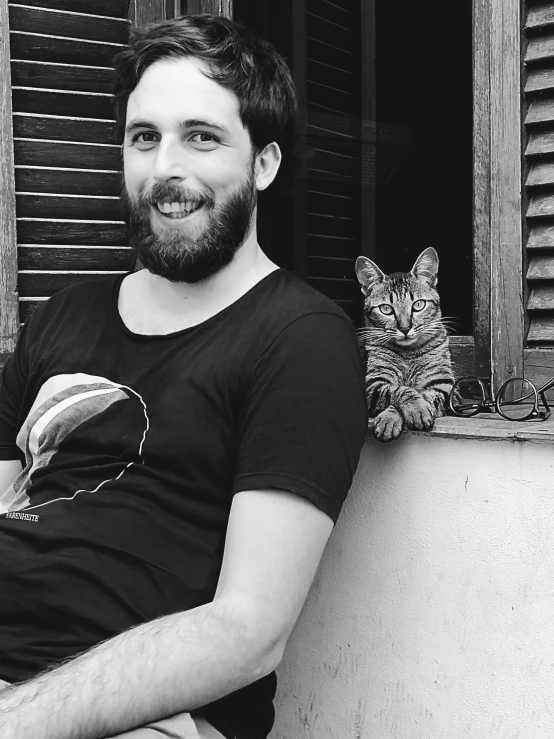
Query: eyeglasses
pixel 517 399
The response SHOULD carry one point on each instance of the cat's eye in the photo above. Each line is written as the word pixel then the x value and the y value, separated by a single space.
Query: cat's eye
pixel 386 309
pixel 419 305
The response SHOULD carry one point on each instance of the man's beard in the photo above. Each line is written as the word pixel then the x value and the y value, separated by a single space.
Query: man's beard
pixel 180 257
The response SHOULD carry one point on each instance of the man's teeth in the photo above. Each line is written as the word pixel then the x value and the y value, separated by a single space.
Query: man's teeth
pixel 175 210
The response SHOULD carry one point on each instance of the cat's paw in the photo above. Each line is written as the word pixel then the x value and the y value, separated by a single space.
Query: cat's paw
pixel 388 425
pixel 419 414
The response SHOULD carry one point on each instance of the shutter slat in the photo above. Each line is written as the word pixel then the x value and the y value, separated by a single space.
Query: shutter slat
pixel 331 267
pixel 318 51
pixel 37 47
pixel 60 232
pixel 36 126
pixel 333 186
pixel 540 173
pixel 325 74
pixel 75 258
pixel 540 16
pixel 111 8
pixel 334 164
pixel 48 283
pixel 67 181
pixel 541 235
pixel 541 297
pixel 69 24
pixel 541 267
pixel 539 80
pixel 331 225
pixel 330 33
pixel 334 205
pixel 541 206
pixel 540 111
pixel 540 142
pixel 332 99
pixel 67 154
pixel 36 205
pixel 540 48
pixel 541 328
pixel 63 103
pixel 61 76
pixel 328 246
pixel 331 12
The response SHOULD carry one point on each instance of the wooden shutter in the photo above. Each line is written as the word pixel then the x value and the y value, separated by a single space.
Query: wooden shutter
pixel 539 154
pixel 66 150
pixel 333 139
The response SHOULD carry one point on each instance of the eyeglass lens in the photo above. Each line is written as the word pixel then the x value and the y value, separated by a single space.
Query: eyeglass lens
pixel 468 396
pixel 517 399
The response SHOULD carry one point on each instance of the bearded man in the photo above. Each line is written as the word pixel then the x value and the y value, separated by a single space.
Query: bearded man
pixel 176 442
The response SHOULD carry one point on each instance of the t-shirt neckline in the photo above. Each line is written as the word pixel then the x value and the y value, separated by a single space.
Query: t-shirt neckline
pixel 174 334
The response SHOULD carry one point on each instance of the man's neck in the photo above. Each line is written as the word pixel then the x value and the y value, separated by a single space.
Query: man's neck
pixel 151 304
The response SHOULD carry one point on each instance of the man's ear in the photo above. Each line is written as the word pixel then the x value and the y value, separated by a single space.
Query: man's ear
pixel 267 165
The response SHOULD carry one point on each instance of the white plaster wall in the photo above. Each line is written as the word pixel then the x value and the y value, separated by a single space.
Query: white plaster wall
pixel 432 615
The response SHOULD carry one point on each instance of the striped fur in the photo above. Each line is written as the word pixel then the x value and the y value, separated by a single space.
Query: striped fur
pixel 408 367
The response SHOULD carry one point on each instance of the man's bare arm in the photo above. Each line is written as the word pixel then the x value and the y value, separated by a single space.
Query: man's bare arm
pixel 9 470
pixel 186 660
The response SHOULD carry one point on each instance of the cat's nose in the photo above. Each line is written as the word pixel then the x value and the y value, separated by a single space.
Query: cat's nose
pixel 405 331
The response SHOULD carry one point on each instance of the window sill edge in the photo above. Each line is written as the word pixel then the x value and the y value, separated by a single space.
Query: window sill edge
pixel 484 427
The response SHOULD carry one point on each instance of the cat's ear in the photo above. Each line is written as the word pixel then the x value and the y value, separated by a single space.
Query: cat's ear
pixel 368 274
pixel 427 266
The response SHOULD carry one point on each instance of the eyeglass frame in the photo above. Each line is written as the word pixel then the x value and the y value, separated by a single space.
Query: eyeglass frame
pixel 490 402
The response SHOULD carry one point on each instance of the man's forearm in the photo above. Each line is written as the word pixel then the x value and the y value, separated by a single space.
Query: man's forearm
pixel 170 665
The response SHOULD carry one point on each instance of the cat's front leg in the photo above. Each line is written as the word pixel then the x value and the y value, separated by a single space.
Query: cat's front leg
pixel 418 413
pixel 388 425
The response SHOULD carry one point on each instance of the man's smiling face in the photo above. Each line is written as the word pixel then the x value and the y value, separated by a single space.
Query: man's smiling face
pixel 189 171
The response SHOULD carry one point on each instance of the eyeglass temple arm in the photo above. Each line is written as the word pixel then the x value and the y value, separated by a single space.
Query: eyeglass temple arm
pixel 547 386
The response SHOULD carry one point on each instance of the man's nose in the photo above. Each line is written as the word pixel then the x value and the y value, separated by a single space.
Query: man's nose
pixel 170 162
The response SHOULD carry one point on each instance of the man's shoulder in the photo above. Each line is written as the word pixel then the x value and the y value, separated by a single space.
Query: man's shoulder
pixel 286 298
pixel 81 295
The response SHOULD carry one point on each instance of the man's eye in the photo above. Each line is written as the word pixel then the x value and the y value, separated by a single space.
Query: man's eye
pixel 145 137
pixel 203 137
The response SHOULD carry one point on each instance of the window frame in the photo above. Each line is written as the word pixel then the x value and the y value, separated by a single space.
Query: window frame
pixel 497 348
pixel 9 303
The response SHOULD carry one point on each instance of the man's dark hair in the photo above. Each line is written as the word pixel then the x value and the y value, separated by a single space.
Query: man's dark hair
pixel 236 59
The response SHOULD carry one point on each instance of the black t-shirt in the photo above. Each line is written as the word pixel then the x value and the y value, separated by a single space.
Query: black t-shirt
pixel 133 447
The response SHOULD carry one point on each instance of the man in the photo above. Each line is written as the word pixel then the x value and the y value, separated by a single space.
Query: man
pixel 176 443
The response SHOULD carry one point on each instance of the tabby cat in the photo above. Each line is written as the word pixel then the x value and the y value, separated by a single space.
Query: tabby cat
pixel 408 368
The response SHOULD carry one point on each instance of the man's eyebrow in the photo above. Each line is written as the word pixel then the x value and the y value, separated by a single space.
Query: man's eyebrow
pixel 203 123
pixel 189 123
pixel 130 127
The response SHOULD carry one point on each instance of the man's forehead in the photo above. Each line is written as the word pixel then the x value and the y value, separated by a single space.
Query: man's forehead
pixel 179 88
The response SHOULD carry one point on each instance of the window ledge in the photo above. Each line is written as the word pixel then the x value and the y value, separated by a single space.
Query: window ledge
pixel 486 426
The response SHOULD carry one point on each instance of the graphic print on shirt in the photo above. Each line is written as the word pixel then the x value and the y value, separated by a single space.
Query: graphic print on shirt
pixel 87 430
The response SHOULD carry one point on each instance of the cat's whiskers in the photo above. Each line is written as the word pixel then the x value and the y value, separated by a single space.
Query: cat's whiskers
pixel 375 336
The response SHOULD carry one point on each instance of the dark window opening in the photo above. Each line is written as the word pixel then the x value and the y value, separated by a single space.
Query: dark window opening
pixel 420 160
pixel 424 86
